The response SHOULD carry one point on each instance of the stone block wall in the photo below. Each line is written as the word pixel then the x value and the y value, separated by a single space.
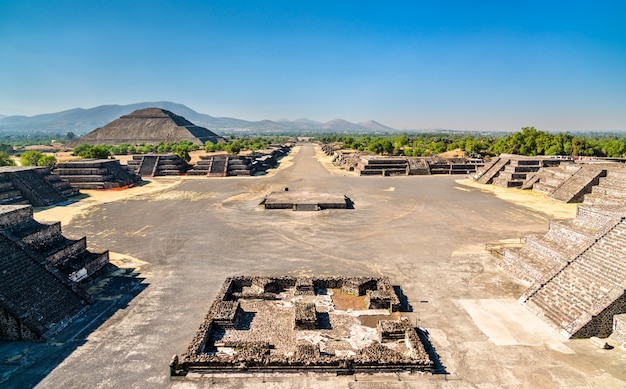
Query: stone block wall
pixel 619 328
pixel 96 174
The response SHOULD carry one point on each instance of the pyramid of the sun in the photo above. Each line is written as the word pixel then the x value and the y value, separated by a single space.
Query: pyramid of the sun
pixel 147 126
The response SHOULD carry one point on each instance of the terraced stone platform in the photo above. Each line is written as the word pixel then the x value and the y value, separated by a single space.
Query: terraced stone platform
pixel 273 325
pixel 39 274
pixel 33 185
pixel 577 270
pixel 96 174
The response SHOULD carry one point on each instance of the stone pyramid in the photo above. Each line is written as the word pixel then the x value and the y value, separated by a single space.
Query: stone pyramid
pixel 147 126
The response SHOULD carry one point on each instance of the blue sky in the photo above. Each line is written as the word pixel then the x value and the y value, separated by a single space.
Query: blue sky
pixel 466 65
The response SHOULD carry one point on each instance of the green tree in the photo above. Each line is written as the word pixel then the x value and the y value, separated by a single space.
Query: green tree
pixel 30 158
pixel 97 151
pixel 47 160
pixel 5 159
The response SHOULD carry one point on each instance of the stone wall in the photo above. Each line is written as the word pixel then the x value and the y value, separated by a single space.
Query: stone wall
pixel 619 328
pixel 203 357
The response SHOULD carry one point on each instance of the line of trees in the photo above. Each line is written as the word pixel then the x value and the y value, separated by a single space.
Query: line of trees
pixel 529 141
pixel 182 149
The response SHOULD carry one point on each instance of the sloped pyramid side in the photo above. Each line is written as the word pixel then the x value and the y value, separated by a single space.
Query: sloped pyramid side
pixel 147 126
pixel 578 269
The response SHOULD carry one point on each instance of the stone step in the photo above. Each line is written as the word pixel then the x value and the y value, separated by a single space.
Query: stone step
pixel 601 200
pixel 594 218
pixel 516 263
pixel 606 190
pixel 613 182
pixel 553 252
pixel 10 194
pixel 491 170
pixel 567 233
pixel 617 174
pixel 542 187
pixel 506 183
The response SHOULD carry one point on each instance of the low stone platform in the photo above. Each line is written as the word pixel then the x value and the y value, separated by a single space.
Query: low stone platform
pixel 306 201
pixel 277 330
pixel 33 185
pixel 96 174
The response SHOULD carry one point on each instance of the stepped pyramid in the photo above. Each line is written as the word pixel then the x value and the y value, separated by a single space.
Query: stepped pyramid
pixel 577 270
pixel 147 126
pixel 33 185
pixel 40 271
pixel 152 165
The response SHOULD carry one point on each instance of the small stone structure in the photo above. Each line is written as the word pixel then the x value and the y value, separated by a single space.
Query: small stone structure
pixel 33 185
pixel 576 272
pixel 383 166
pixel 562 178
pixel 96 174
pixel 283 330
pixel 223 165
pixel 512 171
pixel 368 165
pixel 619 328
pixel 164 164
pixel 306 201
pixel 305 316
pixel 40 271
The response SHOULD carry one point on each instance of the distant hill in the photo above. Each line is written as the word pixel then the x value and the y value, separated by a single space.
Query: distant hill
pixel 81 121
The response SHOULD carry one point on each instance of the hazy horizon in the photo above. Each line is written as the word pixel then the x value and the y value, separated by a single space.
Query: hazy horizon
pixel 556 66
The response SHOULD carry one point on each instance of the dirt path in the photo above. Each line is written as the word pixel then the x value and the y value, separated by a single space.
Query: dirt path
pixel 327 162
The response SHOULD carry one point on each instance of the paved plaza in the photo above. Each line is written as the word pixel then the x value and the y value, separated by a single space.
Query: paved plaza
pixel 176 239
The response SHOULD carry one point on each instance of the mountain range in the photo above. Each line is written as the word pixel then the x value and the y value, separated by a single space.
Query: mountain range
pixel 81 121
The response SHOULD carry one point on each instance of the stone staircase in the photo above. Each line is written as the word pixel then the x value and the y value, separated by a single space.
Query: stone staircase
pixel 31 185
pixel 574 298
pixel 382 166
pixel 223 165
pixel 517 171
pixel 34 303
pixel 8 193
pixel 96 174
pixel 148 165
pixel 549 179
pixel 45 243
pixel 577 270
pixel 569 182
pixel 490 170
pixel 153 165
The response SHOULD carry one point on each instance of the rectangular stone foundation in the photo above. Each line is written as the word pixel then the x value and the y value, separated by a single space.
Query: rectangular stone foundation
pixel 305 201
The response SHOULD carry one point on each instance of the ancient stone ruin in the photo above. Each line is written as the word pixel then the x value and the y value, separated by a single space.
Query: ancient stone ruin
pixel 563 179
pixel 96 174
pixel 576 271
pixel 40 272
pixel 147 126
pixel 374 165
pixel 33 185
pixel 223 165
pixel 306 201
pixel 331 325
pixel 152 165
